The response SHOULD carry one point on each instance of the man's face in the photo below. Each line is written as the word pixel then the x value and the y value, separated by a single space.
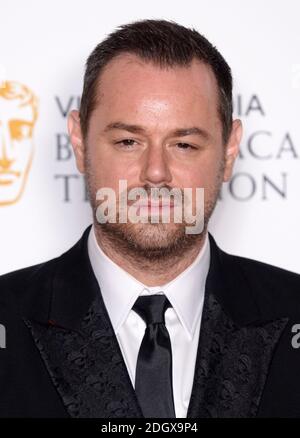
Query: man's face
pixel 139 131
pixel 16 148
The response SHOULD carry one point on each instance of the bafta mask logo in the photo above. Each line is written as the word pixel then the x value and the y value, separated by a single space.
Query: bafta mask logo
pixel 18 114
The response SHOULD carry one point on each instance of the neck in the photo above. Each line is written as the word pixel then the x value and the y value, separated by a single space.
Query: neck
pixel 149 272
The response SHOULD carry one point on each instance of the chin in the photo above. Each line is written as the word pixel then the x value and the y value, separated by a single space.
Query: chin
pixel 155 239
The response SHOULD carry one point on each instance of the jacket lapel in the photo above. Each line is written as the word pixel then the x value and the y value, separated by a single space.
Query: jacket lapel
pixel 235 346
pixel 77 342
pixel 232 364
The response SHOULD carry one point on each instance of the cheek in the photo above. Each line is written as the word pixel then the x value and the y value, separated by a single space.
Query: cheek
pixel 104 172
pixel 204 172
pixel 23 151
pixel 109 168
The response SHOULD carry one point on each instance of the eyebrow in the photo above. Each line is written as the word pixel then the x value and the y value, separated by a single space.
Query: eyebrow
pixel 136 129
pixel 23 121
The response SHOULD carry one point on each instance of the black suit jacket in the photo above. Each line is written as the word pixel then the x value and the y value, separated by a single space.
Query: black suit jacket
pixel 62 358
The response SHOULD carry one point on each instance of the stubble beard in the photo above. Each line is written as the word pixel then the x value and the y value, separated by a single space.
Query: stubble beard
pixel 151 242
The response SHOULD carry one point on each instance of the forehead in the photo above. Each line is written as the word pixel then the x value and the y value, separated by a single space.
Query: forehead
pixel 15 109
pixel 128 78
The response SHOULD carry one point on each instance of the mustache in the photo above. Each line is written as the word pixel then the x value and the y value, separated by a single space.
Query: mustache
pixel 153 194
pixel 9 172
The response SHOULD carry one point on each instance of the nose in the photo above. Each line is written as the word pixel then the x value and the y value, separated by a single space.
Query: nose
pixel 5 164
pixel 155 170
pixel 5 150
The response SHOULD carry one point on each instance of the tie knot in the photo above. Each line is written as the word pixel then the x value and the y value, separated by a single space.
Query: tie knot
pixel 152 308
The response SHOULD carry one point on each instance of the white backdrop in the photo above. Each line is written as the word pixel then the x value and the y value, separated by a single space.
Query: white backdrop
pixel 44 45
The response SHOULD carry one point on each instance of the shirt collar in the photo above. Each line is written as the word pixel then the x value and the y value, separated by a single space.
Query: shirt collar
pixel 120 289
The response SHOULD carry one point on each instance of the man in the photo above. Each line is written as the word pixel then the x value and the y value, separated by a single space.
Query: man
pixel 139 318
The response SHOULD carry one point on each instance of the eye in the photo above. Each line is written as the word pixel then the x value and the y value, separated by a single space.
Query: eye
pixel 20 129
pixel 127 142
pixel 185 146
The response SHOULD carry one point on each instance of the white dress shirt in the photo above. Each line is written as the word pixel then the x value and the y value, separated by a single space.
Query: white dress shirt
pixel 186 294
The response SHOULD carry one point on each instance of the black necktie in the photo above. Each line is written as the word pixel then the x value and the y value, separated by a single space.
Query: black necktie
pixel 153 380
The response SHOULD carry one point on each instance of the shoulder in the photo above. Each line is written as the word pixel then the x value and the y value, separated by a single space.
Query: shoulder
pixel 19 287
pixel 32 286
pixel 17 279
pixel 274 289
pixel 266 272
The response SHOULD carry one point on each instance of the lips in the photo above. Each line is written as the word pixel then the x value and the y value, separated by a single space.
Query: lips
pixel 153 204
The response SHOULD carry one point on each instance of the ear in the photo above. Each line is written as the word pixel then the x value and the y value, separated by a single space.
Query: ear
pixel 76 139
pixel 232 148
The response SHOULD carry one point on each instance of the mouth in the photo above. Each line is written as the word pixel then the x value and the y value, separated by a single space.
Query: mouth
pixel 144 208
pixel 154 204
pixel 5 182
pixel 7 178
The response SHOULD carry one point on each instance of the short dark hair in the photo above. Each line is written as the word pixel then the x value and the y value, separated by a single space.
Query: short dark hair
pixel 166 44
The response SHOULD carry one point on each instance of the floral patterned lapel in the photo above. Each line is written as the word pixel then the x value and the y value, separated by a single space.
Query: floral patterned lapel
pixel 87 367
pixel 232 364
